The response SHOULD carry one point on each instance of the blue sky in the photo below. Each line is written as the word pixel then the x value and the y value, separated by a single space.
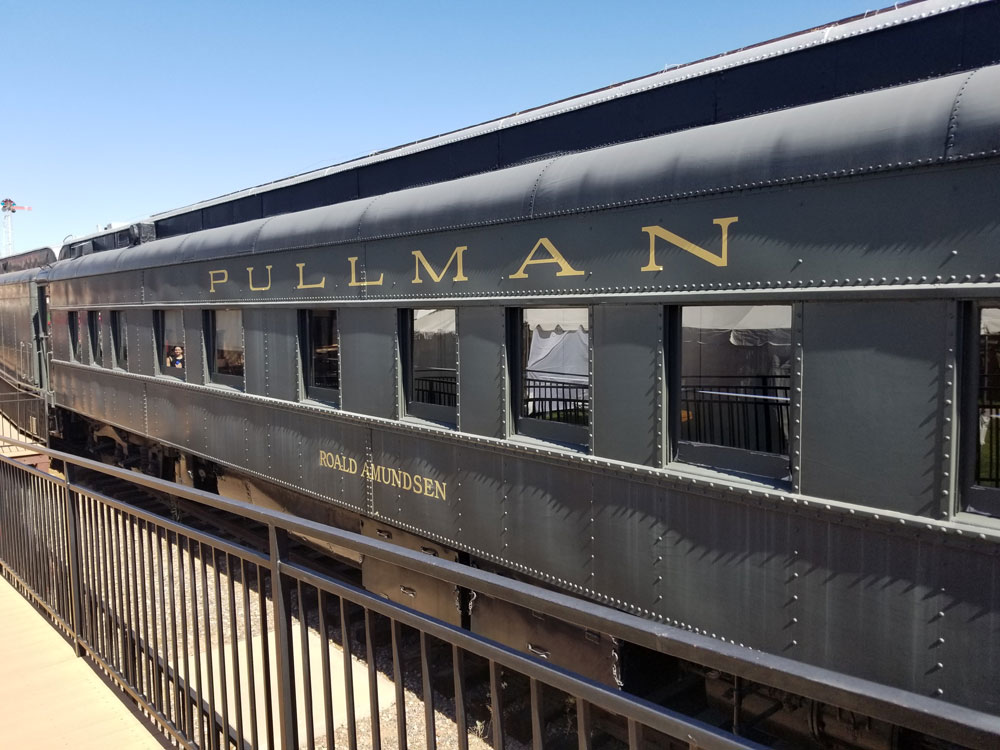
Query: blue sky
pixel 112 111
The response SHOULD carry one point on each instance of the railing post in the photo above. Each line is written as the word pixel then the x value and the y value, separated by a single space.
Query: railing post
pixel 75 566
pixel 281 597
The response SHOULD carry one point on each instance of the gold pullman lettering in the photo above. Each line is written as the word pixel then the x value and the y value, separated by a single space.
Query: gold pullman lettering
pixel 544 252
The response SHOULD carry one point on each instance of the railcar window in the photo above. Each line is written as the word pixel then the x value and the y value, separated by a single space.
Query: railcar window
pixel 169 330
pixel 553 393
pixel 321 354
pixel 94 329
pixel 985 497
pixel 224 333
pixel 432 364
pixel 73 319
pixel 119 341
pixel 735 378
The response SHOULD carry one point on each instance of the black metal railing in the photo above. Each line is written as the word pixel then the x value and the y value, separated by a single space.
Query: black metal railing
pixel 230 644
pixel 439 388
pixel 737 412
pixel 556 400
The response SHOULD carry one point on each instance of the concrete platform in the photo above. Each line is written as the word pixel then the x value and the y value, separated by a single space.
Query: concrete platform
pixel 49 698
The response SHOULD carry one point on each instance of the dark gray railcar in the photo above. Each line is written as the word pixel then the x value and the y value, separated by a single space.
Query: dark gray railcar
pixel 874 217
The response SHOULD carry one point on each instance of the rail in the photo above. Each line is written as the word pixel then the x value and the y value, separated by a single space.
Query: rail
pixel 739 412
pixel 229 645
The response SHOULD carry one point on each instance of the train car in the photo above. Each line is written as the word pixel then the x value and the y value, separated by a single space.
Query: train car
pixel 23 335
pixel 736 379
pixel 739 377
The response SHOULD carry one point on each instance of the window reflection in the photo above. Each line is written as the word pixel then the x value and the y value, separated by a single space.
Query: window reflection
pixel 171 341
pixel 556 366
pixel 228 340
pixel 435 358
pixel 324 363
pixel 988 458
pixel 119 340
pixel 735 376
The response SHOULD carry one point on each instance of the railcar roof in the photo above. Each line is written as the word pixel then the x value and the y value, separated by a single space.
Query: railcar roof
pixel 695 99
pixel 949 119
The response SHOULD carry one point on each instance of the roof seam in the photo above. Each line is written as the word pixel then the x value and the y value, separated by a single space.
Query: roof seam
pixel 949 143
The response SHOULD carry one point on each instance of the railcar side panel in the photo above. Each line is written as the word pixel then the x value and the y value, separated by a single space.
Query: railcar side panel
pixel 629 380
pixel 482 367
pixel 368 370
pixel 858 444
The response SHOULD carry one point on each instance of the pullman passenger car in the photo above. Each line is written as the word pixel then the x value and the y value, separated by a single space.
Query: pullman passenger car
pixel 740 378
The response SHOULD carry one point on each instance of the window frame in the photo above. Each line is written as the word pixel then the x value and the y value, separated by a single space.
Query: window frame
pixel 743 462
pixel 969 493
pixel 95 339
pixel 73 331
pixel 439 413
pixel 210 335
pixel 159 342
pixel 310 390
pixel 574 436
pixel 119 339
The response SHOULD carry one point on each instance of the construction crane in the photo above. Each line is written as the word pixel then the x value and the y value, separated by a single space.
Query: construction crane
pixel 8 207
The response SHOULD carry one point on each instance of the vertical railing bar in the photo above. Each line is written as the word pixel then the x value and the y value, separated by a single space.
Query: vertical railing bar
pixel 155 587
pixel 265 655
pixel 121 562
pixel 345 637
pixel 88 548
pixel 195 632
pixel 372 683
pixel 68 551
pixel 187 713
pixel 496 705
pixel 148 650
pixel 178 694
pixel 106 594
pixel 234 639
pixel 44 528
pixel 583 724
pixel 634 735
pixel 162 656
pixel 251 678
pixel 321 597
pixel 221 629
pixel 76 567
pixel 119 578
pixel 425 669
pixel 307 698
pixel 397 677
pixel 281 600
pixel 213 737
pixel 140 643
pixel 458 672
pixel 537 734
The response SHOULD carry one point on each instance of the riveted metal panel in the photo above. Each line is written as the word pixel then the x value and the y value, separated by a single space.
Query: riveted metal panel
pixel 368 360
pixel 194 347
pixel 124 402
pixel 231 428
pixel 959 631
pixel 482 366
pixel 857 593
pixel 858 445
pixel 481 492
pixel 141 343
pixel 413 478
pixel 628 382
pixel 180 426
pixel 724 568
pixel 629 526
pixel 333 453
pixel 547 522
pixel 281 362
pixel 255 325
